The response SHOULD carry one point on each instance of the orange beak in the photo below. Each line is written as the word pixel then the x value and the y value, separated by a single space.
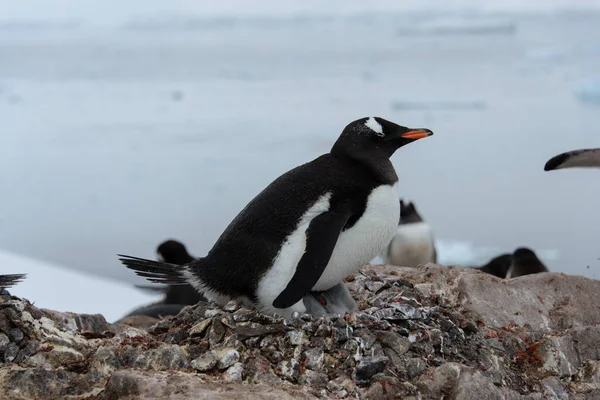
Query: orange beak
pixel 415 134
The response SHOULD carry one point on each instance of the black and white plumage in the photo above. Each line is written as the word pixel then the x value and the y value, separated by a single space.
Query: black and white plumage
pixel 584 158
pixel 7 281
pixel 525 262
pixel 413 244
pixel 522 261
pixel 307 230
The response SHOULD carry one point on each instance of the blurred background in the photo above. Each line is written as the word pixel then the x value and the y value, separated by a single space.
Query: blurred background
pixel 125 123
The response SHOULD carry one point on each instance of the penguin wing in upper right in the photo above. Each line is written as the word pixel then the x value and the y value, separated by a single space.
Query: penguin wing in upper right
pixel 574 159
pixel 321 237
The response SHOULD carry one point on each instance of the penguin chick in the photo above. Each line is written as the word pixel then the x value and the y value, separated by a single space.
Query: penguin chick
pixel 525 262
pixel 413 244
pixel 307 230
pixel 584 158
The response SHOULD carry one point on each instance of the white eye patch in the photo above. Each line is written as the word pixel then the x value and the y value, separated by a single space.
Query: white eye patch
pixel 375 126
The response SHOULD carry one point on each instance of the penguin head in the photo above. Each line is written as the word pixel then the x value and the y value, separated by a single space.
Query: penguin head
pixel 376 136
pixel 525 262
pixel 525 256
pixel 408 213
pixel 173 252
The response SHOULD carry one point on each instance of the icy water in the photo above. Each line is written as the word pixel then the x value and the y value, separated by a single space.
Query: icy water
pixel 114 139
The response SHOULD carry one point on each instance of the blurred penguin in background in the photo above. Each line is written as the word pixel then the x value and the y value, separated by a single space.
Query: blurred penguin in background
pixel 525 262
pixel 176 296
pixel 522 261
pixel 413 244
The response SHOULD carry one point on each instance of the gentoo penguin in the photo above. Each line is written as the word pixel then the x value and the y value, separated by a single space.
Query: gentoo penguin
pixel 176 296
pixel 584 158
pixel 7 281
pixel 413 243
pixel 525 262
pixel 307 230
pixel 498 266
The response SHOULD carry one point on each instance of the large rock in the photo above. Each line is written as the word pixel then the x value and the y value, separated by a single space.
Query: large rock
pixel 427 332
pixel 546 301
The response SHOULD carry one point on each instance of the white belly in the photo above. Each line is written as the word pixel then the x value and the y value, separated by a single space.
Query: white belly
pixel 355 247
pixel 367 238
pixel 411 246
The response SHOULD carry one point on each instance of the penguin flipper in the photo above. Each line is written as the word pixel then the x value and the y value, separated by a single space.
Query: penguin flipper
pixel 7 281
pixel 321 237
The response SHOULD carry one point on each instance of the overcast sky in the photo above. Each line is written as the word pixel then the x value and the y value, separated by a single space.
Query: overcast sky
pixel 114 11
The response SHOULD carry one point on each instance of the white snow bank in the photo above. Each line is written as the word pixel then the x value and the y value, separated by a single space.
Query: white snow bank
pixel 466 254
pixel 53 287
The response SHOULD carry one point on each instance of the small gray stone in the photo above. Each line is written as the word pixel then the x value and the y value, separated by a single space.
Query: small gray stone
pixel 205 362
pixel 399 344
pixel 342 334
pixel 323 331
pixel 415 367
pixel 234 373
pixel 247 330
pixel 11 352
pixel 212 313
pixel 290 369
pixel 4 341
pixel 368 367
pixel 340 383
pixel 230 306
pixel 297 338
pixel 217 332
pixel 314 358
pixel 226 357
pixel 200 327
pixel 163 358
pixel 373 286
pixel 313 378
pixel 243 315
pixel 16 335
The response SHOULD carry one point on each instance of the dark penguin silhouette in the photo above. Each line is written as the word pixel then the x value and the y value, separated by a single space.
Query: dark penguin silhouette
pixel 176 296
pixel 7 281
pixel 174 252
pixel 307 230
pixel 584 158
pixel 525 262
pixel 413 244
pixel 498 266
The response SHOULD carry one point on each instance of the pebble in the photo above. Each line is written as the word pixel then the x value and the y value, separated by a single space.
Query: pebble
pixel 11 352
pixel 4 341
pixel 314 358
pixel 200 327
pixel 205 362
pixel 226 357
pixel 234 373
pixel 368 367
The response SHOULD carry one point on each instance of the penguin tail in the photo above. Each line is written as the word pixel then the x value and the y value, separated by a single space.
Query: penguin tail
pixel 7 281
pixel 156 271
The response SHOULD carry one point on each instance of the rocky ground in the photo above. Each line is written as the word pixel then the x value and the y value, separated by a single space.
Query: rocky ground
pixel 426 333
